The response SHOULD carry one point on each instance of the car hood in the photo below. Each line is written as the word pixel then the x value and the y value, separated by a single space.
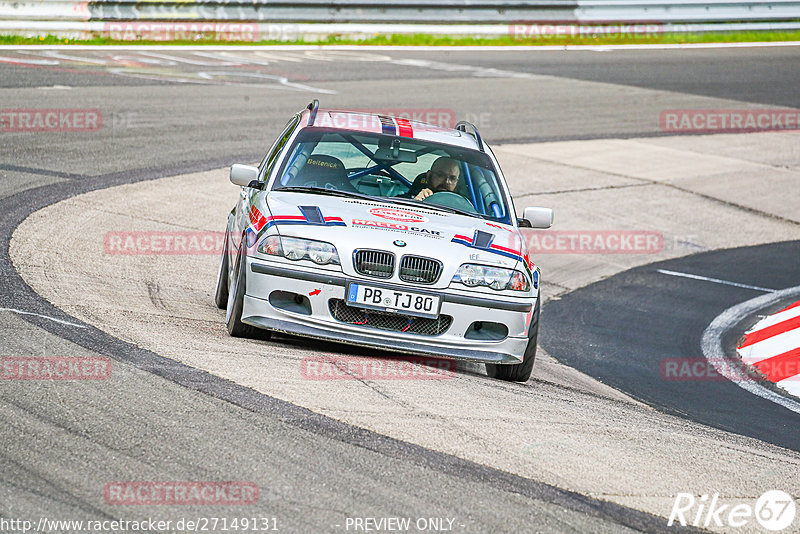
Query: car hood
pixel 353 223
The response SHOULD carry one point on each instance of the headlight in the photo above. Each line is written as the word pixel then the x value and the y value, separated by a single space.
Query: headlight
pixel 296 249
pixel 497 278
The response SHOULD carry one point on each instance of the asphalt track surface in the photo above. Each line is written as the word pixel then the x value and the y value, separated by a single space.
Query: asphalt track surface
pixel 195 426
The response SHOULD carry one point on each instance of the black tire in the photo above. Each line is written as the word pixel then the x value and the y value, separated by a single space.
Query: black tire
pixel 221 293
pixel 520 372
pixel 236 292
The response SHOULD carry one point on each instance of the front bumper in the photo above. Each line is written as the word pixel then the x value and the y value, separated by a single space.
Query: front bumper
pixel 318 286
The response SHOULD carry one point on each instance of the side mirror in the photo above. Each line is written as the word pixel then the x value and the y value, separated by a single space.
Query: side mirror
pixel 242 175
pixel 538 217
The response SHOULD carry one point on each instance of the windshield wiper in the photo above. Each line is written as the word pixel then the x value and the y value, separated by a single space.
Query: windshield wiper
pixel 420 204
pixel 323 191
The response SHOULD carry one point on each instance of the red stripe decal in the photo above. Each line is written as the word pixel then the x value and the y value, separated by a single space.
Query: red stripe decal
pixel 770 331
pixel 465 238
pixel 404 127
pixel 257 219
pixel 782 366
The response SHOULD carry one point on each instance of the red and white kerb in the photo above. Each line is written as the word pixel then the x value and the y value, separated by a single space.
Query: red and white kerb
pixel 773 347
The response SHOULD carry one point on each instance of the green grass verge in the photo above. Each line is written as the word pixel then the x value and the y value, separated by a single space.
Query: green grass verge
pixel 442 40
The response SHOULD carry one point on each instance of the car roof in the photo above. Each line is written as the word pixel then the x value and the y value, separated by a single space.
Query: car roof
pixel 365 121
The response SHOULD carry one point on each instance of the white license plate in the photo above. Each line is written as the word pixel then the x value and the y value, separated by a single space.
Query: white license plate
pixel 393 300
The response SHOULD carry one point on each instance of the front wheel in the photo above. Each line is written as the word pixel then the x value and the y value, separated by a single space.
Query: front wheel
pixel 520 372
pixel 236 292
pixel 221 294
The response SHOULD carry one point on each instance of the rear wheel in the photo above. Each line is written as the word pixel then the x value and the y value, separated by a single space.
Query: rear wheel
pixel 520 372
pixel 235 304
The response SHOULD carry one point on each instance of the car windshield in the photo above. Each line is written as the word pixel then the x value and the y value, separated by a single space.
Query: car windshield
pixel 395 169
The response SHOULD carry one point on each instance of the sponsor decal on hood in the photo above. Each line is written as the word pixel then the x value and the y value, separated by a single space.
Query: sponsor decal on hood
pixel 397 227
pixel 395 214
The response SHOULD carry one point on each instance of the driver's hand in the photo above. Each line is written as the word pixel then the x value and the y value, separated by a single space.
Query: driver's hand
pixel 422 195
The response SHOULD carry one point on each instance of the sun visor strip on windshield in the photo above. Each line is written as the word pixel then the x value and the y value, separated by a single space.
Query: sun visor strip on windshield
pixel 494 249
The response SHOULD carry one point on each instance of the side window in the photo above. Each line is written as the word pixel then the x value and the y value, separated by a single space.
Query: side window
pixel 349 155
pixel 272 156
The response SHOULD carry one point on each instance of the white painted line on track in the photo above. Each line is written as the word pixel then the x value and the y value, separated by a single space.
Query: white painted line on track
pixel 20 312
pixel 487 48
pixel 711 344
pixel 716 281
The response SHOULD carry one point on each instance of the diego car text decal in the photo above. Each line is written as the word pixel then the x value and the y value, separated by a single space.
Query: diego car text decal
pixel 397 227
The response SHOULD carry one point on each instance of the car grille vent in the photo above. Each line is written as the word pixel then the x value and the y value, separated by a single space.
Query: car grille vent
pixel 377 263
pixel 388 321
pixel 419 270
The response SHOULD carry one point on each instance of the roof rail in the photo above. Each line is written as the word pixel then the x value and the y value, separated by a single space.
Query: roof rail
pixel 462 126
pixel 314 107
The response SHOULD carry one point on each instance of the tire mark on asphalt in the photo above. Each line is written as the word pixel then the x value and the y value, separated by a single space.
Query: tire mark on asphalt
pixel 154 292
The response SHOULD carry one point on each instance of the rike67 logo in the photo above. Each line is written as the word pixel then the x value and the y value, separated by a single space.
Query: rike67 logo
pixel 775 510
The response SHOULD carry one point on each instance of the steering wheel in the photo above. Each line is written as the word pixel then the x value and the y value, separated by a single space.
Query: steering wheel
pixel 449 199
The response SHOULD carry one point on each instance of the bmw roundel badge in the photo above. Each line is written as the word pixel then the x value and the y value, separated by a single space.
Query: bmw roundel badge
pixel 399 243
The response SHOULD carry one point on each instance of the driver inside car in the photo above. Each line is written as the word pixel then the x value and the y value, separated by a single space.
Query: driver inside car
pixel 443 176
